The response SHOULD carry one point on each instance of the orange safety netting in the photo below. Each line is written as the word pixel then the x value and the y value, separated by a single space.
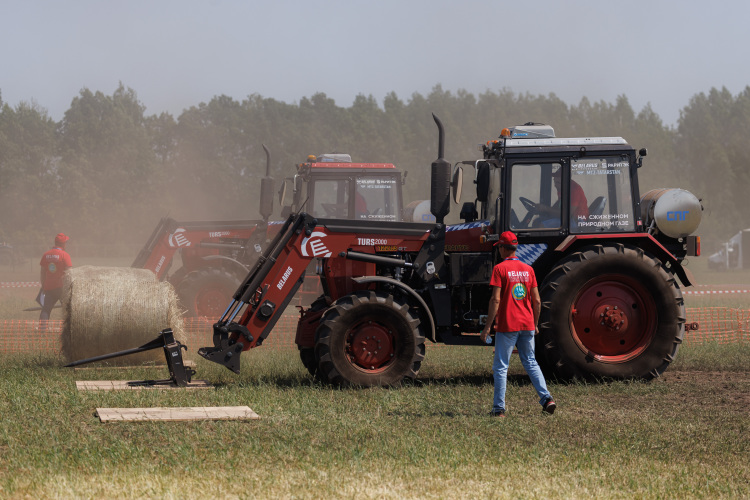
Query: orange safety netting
pixel 721 325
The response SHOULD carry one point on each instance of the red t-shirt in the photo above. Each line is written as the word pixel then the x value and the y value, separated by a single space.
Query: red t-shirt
pixel 54 262
pixel 515 279
pixel 579 207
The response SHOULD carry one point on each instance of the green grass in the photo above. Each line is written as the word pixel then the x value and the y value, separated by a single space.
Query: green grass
pixel 684 435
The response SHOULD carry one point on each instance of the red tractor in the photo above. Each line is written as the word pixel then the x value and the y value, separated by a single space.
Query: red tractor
pixel 608 262
pixel 216 255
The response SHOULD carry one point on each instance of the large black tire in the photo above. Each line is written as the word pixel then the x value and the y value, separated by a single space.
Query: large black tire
pixel 207 292
pixel 307 354
pixel 369 339
pixel 609 311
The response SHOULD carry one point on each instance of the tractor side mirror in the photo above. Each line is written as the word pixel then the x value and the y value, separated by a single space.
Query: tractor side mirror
pixel 483 181
pixel 642 152
pixel 457 183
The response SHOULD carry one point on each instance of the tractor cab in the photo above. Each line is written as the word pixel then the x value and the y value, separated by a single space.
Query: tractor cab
pixel 332 186
pixel 554 191
pixel 535 184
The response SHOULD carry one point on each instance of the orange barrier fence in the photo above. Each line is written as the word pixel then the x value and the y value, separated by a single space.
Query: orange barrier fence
pixel 721 325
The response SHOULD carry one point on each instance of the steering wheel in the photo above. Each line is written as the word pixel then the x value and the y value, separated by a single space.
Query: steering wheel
pixel 333 210
pixel 529 205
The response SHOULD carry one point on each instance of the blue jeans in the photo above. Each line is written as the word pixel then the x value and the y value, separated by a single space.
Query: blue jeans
pixel 524 341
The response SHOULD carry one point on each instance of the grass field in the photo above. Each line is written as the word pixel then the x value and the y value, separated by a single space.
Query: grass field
pixel 682 436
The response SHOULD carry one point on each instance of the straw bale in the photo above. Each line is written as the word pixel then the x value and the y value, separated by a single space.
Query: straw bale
pixel 109 309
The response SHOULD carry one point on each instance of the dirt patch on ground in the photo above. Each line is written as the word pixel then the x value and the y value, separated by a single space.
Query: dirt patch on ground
pixel 730 389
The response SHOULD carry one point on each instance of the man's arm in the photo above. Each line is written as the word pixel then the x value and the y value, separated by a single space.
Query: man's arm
pixel 491 312
pixel 536 304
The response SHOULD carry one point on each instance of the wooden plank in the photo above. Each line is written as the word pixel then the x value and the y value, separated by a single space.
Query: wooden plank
pixel 120 385
pixel 178 414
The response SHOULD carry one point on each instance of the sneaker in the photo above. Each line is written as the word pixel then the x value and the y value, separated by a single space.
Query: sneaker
pixel 549 406
pixel 497 413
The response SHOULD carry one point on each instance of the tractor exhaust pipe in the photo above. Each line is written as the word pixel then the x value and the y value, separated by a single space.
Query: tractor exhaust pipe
pixel 440 181
pixel 266 189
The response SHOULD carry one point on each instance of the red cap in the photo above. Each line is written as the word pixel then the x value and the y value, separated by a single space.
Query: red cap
pixel 60 239
pixel 507 239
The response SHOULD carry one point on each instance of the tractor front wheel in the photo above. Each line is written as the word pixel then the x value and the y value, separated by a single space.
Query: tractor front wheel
pixel 369 339
pixel 207 292
pixel 609 311
pixel 311 316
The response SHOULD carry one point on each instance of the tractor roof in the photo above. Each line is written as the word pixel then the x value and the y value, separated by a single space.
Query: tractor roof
pixel 352 166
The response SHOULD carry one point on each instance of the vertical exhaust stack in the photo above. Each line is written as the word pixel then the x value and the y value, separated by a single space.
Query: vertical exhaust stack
pixel 440 181
pixel 266 189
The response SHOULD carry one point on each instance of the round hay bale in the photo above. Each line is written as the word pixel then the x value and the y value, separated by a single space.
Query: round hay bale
pixel 109 309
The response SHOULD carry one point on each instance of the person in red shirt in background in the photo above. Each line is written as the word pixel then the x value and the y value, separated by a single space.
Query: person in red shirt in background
pixel 54 263
pixel 514 309
pixel 579 206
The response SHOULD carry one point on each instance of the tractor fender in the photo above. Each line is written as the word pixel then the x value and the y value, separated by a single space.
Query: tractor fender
pixel 409 290
pixel 641 240
pixel 228 263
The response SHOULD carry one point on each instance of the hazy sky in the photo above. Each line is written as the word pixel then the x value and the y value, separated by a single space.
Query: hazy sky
pixel 179 53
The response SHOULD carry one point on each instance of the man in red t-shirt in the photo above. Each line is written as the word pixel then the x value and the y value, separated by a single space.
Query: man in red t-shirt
pixel 54 263
pixel 514 309
pixel 579 205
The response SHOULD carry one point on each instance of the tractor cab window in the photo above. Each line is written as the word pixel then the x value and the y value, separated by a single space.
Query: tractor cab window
pixel 330 198
pixel 535 201
pixel 606 184
pixel 375 198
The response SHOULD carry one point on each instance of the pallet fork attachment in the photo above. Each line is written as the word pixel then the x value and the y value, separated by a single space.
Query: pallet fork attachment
pixel 180 375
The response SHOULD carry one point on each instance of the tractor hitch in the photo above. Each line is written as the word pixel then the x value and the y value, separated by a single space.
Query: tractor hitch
pixel 180 375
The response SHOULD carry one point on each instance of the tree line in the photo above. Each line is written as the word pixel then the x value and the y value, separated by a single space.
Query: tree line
pixel 107 172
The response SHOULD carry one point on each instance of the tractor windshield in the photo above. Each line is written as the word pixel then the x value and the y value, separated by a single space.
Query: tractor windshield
pixel 376 198
pixel 535 200
pixel 330 198
pixel 606 182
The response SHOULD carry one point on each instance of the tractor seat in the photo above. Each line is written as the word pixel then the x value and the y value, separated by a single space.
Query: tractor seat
pixel 597 206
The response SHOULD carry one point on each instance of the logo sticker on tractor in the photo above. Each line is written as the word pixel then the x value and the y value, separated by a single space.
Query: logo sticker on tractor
pixel 313 246
pixel 178 239
pixel 285 277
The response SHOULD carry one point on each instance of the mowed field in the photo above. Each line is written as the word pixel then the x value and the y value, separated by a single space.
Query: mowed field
pixel 681 436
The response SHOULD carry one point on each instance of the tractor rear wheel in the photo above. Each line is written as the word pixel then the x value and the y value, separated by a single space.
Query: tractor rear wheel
pixel 369 339
pixel 207 292
pixel 609 311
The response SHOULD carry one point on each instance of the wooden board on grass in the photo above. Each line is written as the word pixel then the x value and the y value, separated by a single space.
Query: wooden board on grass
pixel 119 385
pixel 176 414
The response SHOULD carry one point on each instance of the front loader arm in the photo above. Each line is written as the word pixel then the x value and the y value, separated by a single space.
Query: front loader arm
pixel 266 291
pixel 262 297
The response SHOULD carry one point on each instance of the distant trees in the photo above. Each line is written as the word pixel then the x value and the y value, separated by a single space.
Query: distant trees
pixel 112 171
pixel 714 157
pixel 30 192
